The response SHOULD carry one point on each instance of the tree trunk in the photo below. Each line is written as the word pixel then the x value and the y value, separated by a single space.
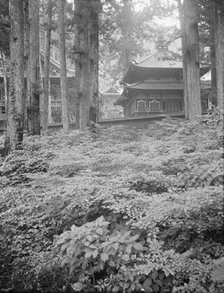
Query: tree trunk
pixel 183 41
pixel 127 35
pixel 191 57
pixel 82 78
pixel 213 74
pixel 219 51
pixel 86 61
pixel 47 65
pixel 33 78
pixel 26 31
pixel 15 115
pixel 94 62
pixel 211 23
pixel 26 54
pixel 4 72
pixel 63 70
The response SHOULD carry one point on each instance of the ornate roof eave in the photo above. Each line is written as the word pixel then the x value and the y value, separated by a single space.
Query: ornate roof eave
pixel 124 81
pixel 130 69
pixel 137 68
pixel 175 67
pixel 204 70
pixel 122 98
pixel 154 85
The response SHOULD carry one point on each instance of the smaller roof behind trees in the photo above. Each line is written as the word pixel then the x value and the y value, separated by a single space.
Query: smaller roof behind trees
pixel 55 67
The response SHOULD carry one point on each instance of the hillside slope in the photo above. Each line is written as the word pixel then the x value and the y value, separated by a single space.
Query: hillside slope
pixel 123 210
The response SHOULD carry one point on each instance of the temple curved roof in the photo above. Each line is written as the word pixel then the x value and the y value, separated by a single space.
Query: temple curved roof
pixel 163 58
pixel 160 64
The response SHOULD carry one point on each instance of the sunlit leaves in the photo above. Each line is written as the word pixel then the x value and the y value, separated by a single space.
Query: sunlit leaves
pixel 105 257
pixel 109 226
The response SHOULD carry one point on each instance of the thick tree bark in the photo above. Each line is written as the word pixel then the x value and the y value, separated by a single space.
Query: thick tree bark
pixel 82 78
pixel 213 75
pixel 127 35
pixel 94 63
pixel 183 41
pixel 191 57
pixel 33 78
pixel 219 51
pixel 45 112
pixel 211 22
pixel 15 115
pixel 26 31
pixel 26 54
pixel 63 70
pixel 5 79
pixel 86 61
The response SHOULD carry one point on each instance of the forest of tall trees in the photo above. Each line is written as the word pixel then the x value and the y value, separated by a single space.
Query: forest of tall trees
pixel 102 32
pixel 110 205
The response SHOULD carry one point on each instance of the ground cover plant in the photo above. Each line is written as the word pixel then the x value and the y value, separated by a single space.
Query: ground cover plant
pixel 120 210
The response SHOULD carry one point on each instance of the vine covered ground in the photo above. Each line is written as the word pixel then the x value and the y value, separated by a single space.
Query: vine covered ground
pixel 120 210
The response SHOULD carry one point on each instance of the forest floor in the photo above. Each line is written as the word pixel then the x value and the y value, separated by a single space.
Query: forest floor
pixel 162 185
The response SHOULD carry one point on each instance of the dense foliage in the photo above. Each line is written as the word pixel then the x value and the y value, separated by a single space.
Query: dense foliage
pixel 123 210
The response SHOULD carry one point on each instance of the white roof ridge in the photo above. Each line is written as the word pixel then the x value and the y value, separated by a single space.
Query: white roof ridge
pixel 145 58
pixel 155 60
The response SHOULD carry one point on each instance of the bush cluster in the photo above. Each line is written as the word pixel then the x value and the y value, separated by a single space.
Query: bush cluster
pixel 123 210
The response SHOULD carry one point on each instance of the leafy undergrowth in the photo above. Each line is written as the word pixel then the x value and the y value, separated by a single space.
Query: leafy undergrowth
pixel 122 210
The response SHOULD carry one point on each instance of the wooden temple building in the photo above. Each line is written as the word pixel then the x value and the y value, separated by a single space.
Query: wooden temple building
pixel 154 87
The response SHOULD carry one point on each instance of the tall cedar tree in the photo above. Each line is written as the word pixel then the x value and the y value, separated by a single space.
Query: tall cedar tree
pixel 33 76
pixel 207 18
pixel 190 41
pixel 3 64
pixel 45 112
pixel 86 60
pixel 211 25
pixel 63 72
pixel 15 115
pixel 219 50
pixel 26 53
pixel 213 59
pixel 127 33
pixel 4 46
pixel 184 48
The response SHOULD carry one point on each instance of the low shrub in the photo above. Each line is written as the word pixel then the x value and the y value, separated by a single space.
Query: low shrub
pixel 76 214
pixel 116 259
